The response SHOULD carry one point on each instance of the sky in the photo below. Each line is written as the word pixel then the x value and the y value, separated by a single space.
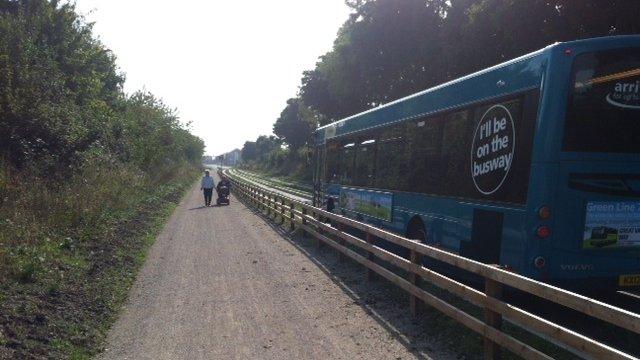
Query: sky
pixel 228 67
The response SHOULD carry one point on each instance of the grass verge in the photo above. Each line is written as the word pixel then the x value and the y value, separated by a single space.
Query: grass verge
pixel 64 279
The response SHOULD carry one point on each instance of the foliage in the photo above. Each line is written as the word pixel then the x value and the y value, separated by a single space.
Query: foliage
pixel 287 152
pixel 84 172
pixel 380 51
pixel 392 48
pixel 151 136
pixel 265 145
pixel 69 253
pixel 295 125
pixel 249 151
pixel 57 84
pixel 61 97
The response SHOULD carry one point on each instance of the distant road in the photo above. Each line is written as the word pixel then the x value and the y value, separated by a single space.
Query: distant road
pixel 221 283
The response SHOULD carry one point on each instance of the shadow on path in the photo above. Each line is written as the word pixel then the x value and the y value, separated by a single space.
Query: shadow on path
pixel 380 299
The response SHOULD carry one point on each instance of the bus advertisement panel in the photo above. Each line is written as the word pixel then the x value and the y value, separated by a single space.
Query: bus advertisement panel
pixel 376 204
pixel 612 224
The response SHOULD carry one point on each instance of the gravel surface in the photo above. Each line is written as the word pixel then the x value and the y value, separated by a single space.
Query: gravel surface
pixel 222 283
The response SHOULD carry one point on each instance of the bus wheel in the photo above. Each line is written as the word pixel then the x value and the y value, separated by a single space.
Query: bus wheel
pixel 416 230
pixel 330 205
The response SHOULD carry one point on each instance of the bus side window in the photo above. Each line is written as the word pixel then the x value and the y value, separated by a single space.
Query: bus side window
pixel 432 155
pixel 347 162
pixel 456 142
pixel 423 148
pixel 365 162
pixel 332 172
pixel 389 160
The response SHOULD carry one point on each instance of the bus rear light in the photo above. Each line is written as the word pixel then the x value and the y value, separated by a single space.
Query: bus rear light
pixel 543 232
pixel 568 52
pixel 539 262
pixel 544 212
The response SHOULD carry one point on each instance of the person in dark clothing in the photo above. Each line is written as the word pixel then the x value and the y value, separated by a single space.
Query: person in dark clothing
pixel 207 185
pixel 223 182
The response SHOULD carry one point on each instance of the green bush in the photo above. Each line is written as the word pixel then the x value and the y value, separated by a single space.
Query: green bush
pixel 86 171
pixel 61 98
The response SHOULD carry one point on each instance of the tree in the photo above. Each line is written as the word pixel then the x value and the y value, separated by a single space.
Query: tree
pixel 381 53
pixel 392 48
pixel 61 98
pixel 295 125
pixel 58 85
pixel 266 144
pixel 249 152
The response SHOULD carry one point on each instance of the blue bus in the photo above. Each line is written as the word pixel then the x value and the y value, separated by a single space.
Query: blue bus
pixel 533 164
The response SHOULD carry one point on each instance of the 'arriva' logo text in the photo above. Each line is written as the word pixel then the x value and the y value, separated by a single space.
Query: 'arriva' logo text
pixel 625 95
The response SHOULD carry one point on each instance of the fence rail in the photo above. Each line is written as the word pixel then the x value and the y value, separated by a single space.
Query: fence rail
pixel 329 228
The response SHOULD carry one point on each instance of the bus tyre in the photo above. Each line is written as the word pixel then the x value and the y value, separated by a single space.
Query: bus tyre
pixel 417 231
pixel 330 205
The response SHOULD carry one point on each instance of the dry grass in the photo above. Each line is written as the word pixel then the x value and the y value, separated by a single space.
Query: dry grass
pixel 69 251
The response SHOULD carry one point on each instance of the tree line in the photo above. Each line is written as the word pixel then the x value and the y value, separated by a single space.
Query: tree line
pixel 87 173
pixel 389 49
pixel 62 102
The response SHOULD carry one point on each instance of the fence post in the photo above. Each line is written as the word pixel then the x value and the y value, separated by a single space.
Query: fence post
pixel 319 219
pixel 254 197
pixel 370 273
pixel 274 202
pixel 282 211
pixel 494 289
pixel 414 302
pixel 276 212
pixel 272 198
pixel 292 225
pixel 341 256
pixel 261 200
pixel 265 202
pixel 304 221
pixel 316 216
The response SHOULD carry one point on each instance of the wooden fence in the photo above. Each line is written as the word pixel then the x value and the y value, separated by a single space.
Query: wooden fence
pixel 313 221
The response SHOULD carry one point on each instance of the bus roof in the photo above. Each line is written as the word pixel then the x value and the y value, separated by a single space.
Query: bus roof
pixel 524 72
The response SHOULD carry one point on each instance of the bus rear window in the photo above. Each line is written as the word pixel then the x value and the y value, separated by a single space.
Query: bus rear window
pixel 604 106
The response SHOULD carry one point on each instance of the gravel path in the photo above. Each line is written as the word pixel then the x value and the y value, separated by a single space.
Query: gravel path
pixel 222 283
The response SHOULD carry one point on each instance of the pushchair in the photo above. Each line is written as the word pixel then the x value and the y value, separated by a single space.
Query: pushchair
pixel 223 194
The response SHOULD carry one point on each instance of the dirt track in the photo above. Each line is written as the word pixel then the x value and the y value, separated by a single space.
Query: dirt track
pixel 221 283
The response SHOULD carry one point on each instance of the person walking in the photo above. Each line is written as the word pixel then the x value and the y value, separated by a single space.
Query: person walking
pixel 207 185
